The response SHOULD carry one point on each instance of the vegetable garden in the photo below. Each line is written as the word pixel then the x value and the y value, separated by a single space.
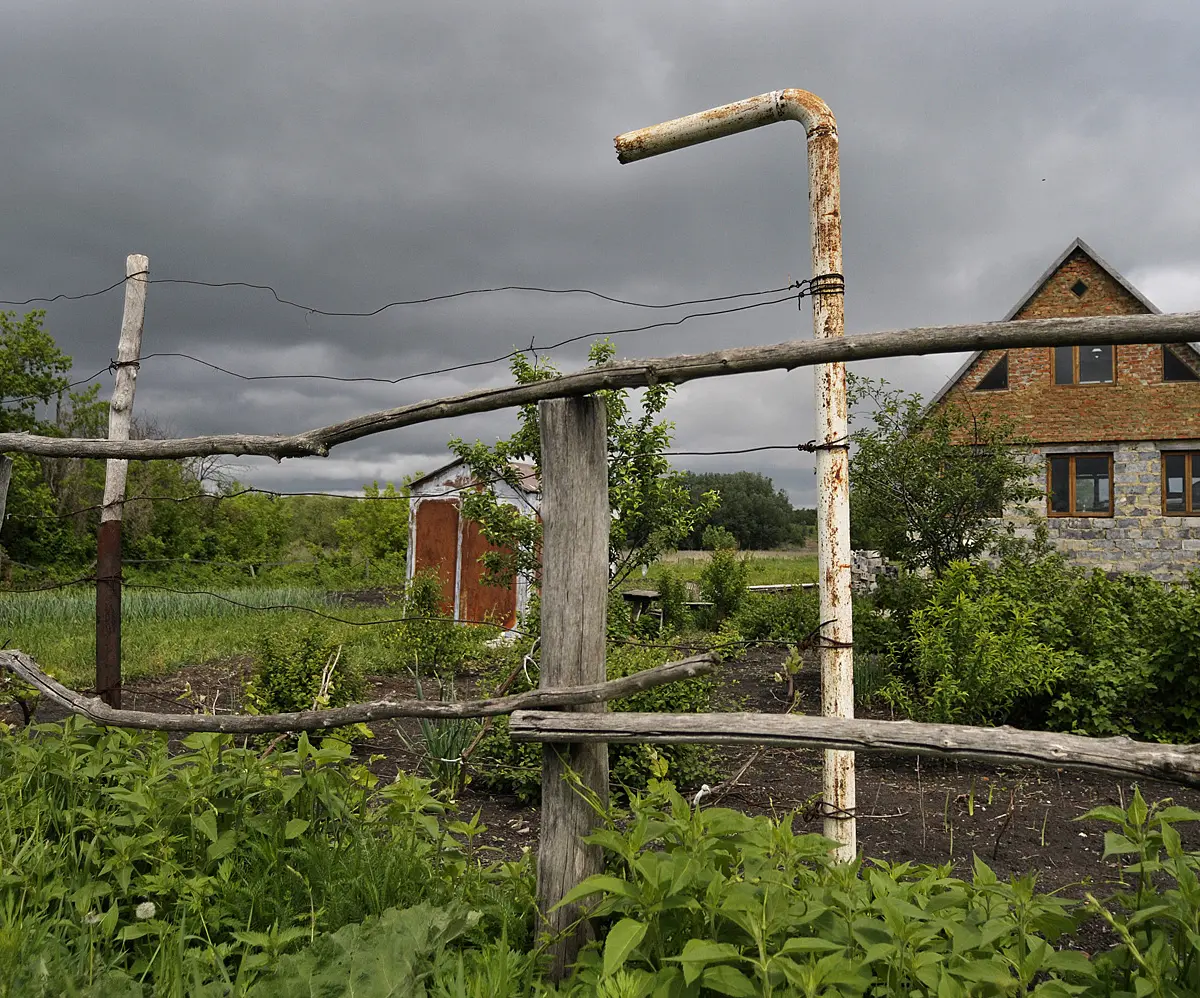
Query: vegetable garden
pixel 268 862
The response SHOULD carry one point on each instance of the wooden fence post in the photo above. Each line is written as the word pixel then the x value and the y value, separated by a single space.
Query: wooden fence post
pixel 575 515
pixel 108 541
pixel 6 467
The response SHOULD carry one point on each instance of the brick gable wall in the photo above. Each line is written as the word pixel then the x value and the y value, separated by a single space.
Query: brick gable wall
pixel 1138 406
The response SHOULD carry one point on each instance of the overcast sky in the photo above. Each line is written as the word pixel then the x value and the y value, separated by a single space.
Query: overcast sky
pixel 356 153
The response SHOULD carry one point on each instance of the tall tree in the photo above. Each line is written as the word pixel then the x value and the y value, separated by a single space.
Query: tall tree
pixel 752 509
pixel 929 487
pixel 652 509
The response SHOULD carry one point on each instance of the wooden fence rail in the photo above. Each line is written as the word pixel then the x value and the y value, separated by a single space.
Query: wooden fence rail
pixel 1007 746
pixel 1180 327
pixel 575 695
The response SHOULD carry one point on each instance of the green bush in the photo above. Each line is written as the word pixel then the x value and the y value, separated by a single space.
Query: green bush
pixel 515 767
pixel 976 656
pixel 673 598
pixel 717 538
pixel 299 668
pixel 723 584
pixel 429 642
pixel 790 617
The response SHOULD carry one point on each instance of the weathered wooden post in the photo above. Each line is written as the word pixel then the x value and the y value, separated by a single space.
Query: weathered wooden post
pixel 108 541
pixel 6 467
pixel 575 516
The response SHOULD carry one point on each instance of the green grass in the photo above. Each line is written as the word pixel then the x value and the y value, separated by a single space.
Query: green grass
pixel 164 631
pixel 766 568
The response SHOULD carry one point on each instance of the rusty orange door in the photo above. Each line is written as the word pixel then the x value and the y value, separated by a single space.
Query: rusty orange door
pixel 478 601
pixel 436 544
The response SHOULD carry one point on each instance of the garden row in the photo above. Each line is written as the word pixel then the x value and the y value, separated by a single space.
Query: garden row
pixel 131 869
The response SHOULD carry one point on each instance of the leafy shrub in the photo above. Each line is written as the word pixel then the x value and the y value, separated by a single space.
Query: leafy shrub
pixel 717 538
pixel 299 668
pixel 976 655
pixel 673 598
pixel 789 617
pixel 711 901
pixel 723 584
pixel 429 641
pixel 512 767
pixel 128 865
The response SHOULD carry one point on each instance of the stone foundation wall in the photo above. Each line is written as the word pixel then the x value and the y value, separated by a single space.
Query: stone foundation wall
pixel 1139 537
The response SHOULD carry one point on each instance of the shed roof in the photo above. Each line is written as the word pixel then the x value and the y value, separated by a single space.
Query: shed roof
pixel 527 478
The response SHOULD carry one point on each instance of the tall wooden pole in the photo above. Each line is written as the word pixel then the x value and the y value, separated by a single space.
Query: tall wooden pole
pixel 108 542
pixel 575 517
pixel 6 466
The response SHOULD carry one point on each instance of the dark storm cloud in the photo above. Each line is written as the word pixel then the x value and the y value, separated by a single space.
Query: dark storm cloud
pixel 353 154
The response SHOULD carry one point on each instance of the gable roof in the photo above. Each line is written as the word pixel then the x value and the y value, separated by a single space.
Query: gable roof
pixel 527 478
pixel 1079 244
pixel 1076 244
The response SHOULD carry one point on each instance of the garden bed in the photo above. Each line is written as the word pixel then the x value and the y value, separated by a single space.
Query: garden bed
pixel 922 809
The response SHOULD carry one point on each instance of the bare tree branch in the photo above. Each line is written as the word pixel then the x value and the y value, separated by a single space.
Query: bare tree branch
pixel 379 710
pixel 1178 328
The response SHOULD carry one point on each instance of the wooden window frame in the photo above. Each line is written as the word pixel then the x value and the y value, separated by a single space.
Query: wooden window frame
pixel 1076 383
pixel 1112 490
pixel 1191 467
pixel 1166 349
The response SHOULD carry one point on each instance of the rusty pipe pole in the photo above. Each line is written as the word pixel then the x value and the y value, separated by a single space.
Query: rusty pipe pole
pixel 833 519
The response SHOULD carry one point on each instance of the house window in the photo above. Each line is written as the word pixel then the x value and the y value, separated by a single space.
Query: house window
pixel 1083 365
pixel 1174 369
pixel 996 380
pixel 1078 289
pixel 1079 485
pixel 1181 483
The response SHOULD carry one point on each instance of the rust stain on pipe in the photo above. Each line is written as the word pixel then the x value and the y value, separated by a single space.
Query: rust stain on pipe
pixel 833 521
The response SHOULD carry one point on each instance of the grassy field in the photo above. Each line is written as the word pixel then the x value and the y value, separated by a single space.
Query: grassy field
pixel 163 631
pixel 766 567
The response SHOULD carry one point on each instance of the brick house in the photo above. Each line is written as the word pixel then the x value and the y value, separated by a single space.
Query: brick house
pixel 1115 431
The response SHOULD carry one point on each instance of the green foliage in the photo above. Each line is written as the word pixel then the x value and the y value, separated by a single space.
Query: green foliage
pixel 790 617
pixel 428 641
pixel 723 583
pixel 129 869
pixel 1039 644
pixel 377 528
pixel 751 509
pixel 707 901
pixel 673 599
pixel 300 668
pixel 976 654
pixel 515 767
pixel 716 538
pixel 926 487
pixel 32 371
pixel 652 509
pixel 1158 931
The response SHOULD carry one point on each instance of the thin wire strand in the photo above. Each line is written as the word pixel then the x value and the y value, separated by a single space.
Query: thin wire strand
pixel 73 384
pixel 515 352
pixel 313 310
